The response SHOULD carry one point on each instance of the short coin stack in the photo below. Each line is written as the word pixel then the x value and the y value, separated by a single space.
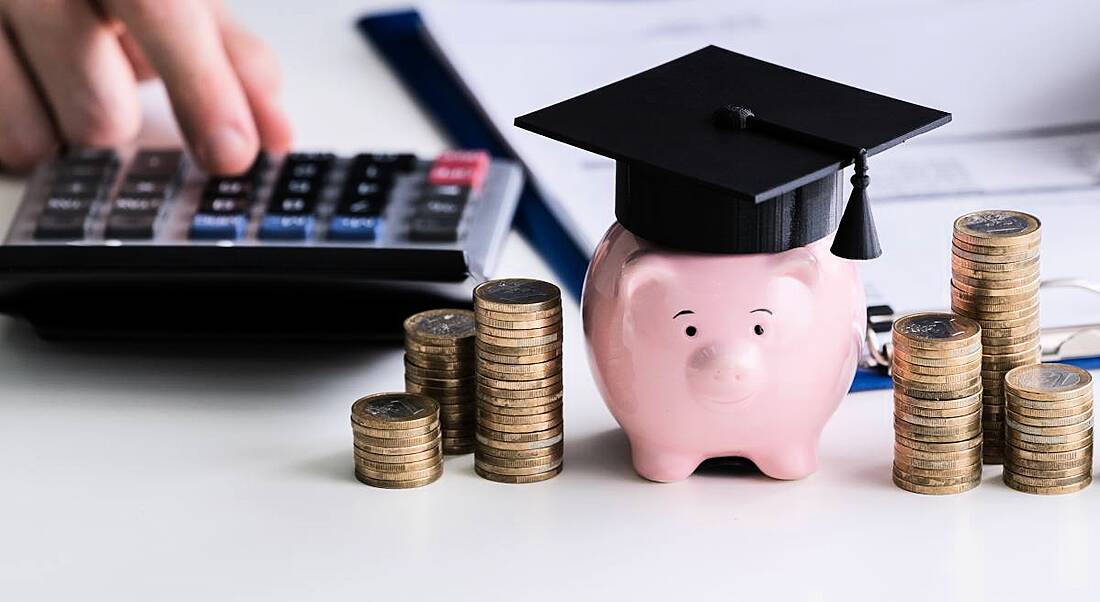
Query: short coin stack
pixel 519 386
pixel 995 281
pixel 936 365
pixel 1048 434
pixel 396 438
pixel 439 363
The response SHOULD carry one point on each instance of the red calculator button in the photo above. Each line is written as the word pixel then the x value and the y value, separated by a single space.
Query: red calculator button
pixel 461 168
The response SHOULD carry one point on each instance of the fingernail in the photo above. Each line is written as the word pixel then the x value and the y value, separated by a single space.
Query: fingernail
pixel 226 149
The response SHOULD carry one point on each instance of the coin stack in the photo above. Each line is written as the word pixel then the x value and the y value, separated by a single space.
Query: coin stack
pixel 995 281
pixel 519 387
pixel 439 363
pixel 396 439
pixel 936 365
pixel 1048 429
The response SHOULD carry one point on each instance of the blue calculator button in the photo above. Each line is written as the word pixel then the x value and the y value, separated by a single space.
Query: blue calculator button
pixel 218 227
pixel 287 227
pixel 345 227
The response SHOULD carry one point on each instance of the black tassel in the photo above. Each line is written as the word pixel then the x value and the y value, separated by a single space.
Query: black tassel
pixel 856 238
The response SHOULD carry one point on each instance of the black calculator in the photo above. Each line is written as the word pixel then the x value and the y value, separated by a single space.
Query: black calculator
pixel 139 243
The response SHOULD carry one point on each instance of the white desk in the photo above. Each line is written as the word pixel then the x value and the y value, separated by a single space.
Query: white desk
pixel 168 472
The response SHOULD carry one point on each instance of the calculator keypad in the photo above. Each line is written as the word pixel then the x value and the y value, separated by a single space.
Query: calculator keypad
pixel 304 198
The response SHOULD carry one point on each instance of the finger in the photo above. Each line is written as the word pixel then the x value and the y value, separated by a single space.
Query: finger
pixel 260 77
pixel 182 42
pixel 83 73
pixel 143 71
pixel 26 134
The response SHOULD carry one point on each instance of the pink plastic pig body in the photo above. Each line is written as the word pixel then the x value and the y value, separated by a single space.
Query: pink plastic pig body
pixel 701 356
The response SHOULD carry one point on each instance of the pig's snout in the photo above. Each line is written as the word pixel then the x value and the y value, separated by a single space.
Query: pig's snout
pixel 724 375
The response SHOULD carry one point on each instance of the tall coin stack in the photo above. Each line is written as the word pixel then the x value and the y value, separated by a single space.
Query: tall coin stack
pixel 396 438
pixel 1048 434
pixel 519 386
pixel 439 363
pixel 936 365
pixel 995 281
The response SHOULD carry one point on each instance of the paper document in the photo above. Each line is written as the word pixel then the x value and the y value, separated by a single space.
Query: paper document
pixel 1019 76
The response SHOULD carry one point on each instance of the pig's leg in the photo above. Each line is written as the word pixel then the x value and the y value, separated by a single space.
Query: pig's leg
pixel 789 462
pixel 662 464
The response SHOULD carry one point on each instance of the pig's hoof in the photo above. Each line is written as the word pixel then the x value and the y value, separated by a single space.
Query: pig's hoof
pixel 788 464
pixel 662 465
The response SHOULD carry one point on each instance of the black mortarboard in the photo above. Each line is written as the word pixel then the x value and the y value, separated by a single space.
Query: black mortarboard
pixel 720 152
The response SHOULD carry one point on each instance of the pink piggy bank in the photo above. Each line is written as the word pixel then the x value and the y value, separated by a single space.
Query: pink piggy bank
pixel 707 355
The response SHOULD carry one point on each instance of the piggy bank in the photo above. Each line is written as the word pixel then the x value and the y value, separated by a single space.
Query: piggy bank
pixel 708 355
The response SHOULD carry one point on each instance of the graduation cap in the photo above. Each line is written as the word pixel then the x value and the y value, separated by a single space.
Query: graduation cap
pixel 723 153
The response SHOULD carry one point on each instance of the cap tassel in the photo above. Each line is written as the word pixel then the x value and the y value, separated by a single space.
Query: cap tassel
pixel 856 238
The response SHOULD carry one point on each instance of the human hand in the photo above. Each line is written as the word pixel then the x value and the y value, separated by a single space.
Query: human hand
pixel 69 71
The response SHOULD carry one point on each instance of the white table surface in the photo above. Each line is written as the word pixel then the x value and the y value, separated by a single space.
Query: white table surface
pixel 193 472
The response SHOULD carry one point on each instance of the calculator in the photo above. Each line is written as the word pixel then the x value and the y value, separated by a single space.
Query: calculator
pixel 139 243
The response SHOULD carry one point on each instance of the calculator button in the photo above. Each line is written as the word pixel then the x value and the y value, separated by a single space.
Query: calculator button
pixel 79 187
pixel 366 206
pixel 344 227
pixel 225 206
pixel 68 205
pixel 224 187
pixel 394 162
pixel 164 165
pixel 463 168
pixel 435 229
pixel 136 205
pixel 130 226
pixel 60 226
pixel 88 162
pixel 143 187
pixel 291 205
pixel 287 227
pixel 441 208
pixel 218 227
pixel 298 187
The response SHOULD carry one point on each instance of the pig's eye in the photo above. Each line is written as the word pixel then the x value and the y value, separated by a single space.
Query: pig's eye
pixel 758 329
pixel 690 331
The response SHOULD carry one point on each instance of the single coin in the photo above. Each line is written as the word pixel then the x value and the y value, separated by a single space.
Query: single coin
pixel 994 279
pixel 430 373
pixel 981 267
pixel 1050 448
pixel 513 471
pixel 394 410
pixel 1048 421
pixel 1002 350
pixel 526 333
pixel 519 437
pixel 492 342
pixel 518 479
pixel 519 385
pixel 995 307
pixel 488 371
pixel 495 464
pixel 906 409
pixel 1033 245
pixel 993 342
pixel 932 481
pixel 394 459
pixel 933 330
pixel 429 362
pixel 489 441
pixel 521 454
pixel 495 394
pixel 936 490
pixel 957 393
pixel 536 368
pixel 1047 469
pixel 441 327
pixel 1048 431
pixel 517 295
pixel 460 353
pixel 530 354
pixel 385 450
pixel 373 433
pixel 443 395
pixel 518 360
pixel 1041 490
pixel 552 321
pixel 400 476
pixel 966 420
pixel 1052 457
pixel 437 382
pixel 518 428
pixel 945 404
pixel 1029 406
pixel 902 345
pixel 936 434
pixel 902 374
pixel 981 314
pixel 995 298
pixel 458 449
pixel 398 468
pixel 1031 286
pixel 387 484
pixel 955 446
pixel 904 367
pixel 972 470
pixel 521 411
pixel 1051 382
pixel 1026 321
pixel 1023 255
pixel 494 417
pixel 1015 435
pixel 1045 481
pixel 988 284
pixel 413 441
pixel 939 456
pixel 962 361
pixel 491 317
pixel 908 385
pixel 997 228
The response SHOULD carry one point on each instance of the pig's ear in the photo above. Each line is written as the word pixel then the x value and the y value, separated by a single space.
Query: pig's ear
pixel 646 278
pixel 800 264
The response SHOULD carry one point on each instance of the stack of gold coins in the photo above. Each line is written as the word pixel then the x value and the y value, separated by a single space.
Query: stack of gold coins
pixel 519 387
pixel 936 365
pixel 396 438
pixel 439 363
pixel 995 281
pixel 1048 429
